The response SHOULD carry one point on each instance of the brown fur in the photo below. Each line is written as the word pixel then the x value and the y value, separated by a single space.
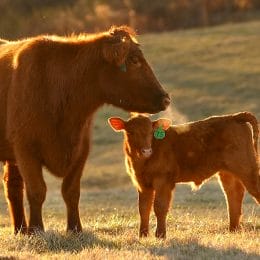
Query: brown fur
pixel 50 87
pixel 192 152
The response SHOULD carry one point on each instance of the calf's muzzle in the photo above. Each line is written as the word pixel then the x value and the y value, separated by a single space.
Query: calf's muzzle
pixel 146 152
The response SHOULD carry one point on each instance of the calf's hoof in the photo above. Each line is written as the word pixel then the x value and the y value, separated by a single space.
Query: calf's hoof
pixel 34 230
pixel 20 230
pixel 160 234
pixel 75 230
pixel 234 228
pixel 143 233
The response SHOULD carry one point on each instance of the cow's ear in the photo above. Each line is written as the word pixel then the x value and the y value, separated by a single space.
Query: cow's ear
pixel 164 123
pixel 116 123
pixel 115 49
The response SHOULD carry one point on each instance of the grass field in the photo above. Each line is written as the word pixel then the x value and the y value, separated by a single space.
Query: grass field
pixel 207 71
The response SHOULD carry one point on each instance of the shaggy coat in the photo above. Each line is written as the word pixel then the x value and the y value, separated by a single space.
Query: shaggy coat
pixel 191 152
pixel 50 87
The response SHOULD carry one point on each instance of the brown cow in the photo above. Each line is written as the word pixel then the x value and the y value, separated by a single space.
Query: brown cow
pixel 191 152
pixel 50 87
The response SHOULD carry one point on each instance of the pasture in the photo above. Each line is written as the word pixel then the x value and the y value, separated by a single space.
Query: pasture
pixel 208 71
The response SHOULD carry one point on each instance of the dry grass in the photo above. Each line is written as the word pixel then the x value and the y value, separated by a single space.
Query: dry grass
pixel 197 228
pixel 208 71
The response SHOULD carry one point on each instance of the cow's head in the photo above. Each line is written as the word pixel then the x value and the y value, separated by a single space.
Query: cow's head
pixel 139 133
pixel 126 79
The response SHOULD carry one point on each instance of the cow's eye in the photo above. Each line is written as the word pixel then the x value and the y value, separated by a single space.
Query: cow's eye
pixel 135 61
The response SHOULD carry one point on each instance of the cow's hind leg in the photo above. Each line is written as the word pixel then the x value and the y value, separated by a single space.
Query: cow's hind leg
pixel 146 197
pixel 31 170
pixel 13 185
pixel 234 193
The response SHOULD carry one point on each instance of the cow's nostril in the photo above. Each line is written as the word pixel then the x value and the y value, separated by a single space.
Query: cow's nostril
pixel 166 101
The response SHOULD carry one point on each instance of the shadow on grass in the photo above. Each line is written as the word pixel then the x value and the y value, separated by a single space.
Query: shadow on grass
pixel 250 227
pixel 194 250
pixel 56 242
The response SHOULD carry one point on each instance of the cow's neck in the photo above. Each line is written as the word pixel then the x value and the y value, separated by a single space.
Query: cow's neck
pixel 75 106
pixel 80 96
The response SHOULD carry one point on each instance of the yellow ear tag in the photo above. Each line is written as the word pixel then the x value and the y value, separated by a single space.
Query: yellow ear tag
pixel 159 133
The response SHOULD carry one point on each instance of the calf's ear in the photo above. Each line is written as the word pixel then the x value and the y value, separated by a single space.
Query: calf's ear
pixel 116 123
pixel 115 49
pixel 164 123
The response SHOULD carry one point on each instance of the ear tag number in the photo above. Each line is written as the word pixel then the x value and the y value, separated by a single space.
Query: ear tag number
pixel 123 67
pixel 159 133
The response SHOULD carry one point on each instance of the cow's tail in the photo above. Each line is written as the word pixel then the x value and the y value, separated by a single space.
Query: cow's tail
pixel 249 118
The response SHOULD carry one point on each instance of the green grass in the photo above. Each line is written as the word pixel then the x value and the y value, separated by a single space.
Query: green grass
pixel 207 71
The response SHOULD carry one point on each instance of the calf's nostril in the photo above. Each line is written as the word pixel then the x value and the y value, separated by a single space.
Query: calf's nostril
pixel 146 152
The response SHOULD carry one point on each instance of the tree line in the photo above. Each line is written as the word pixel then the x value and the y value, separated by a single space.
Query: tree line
pixel 21 18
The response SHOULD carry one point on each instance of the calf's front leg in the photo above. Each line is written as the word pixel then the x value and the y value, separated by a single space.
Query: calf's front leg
pixel 163 196
pixel 146 197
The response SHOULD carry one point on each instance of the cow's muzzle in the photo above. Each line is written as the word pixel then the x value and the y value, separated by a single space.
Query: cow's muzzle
pixel 165 101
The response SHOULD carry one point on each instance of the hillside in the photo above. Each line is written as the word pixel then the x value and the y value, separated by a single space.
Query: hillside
pixel 208 72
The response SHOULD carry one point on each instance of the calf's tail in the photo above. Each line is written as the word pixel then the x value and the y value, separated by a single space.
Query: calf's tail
pixel 249 118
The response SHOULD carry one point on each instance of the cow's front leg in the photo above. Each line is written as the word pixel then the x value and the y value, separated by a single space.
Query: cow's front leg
pixel 71 182
pixel 146 197
pixel 163 195
pixel 71 195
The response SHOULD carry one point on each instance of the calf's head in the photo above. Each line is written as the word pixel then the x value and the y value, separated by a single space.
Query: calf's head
pixel 126 79
pixel 139 133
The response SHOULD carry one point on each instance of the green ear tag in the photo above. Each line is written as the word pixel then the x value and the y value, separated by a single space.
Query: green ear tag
pixel 159 133
pixel 123 67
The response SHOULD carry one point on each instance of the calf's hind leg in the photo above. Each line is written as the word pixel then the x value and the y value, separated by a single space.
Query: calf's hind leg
pixel 13 186
pixel 234 192
pixel 252 184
